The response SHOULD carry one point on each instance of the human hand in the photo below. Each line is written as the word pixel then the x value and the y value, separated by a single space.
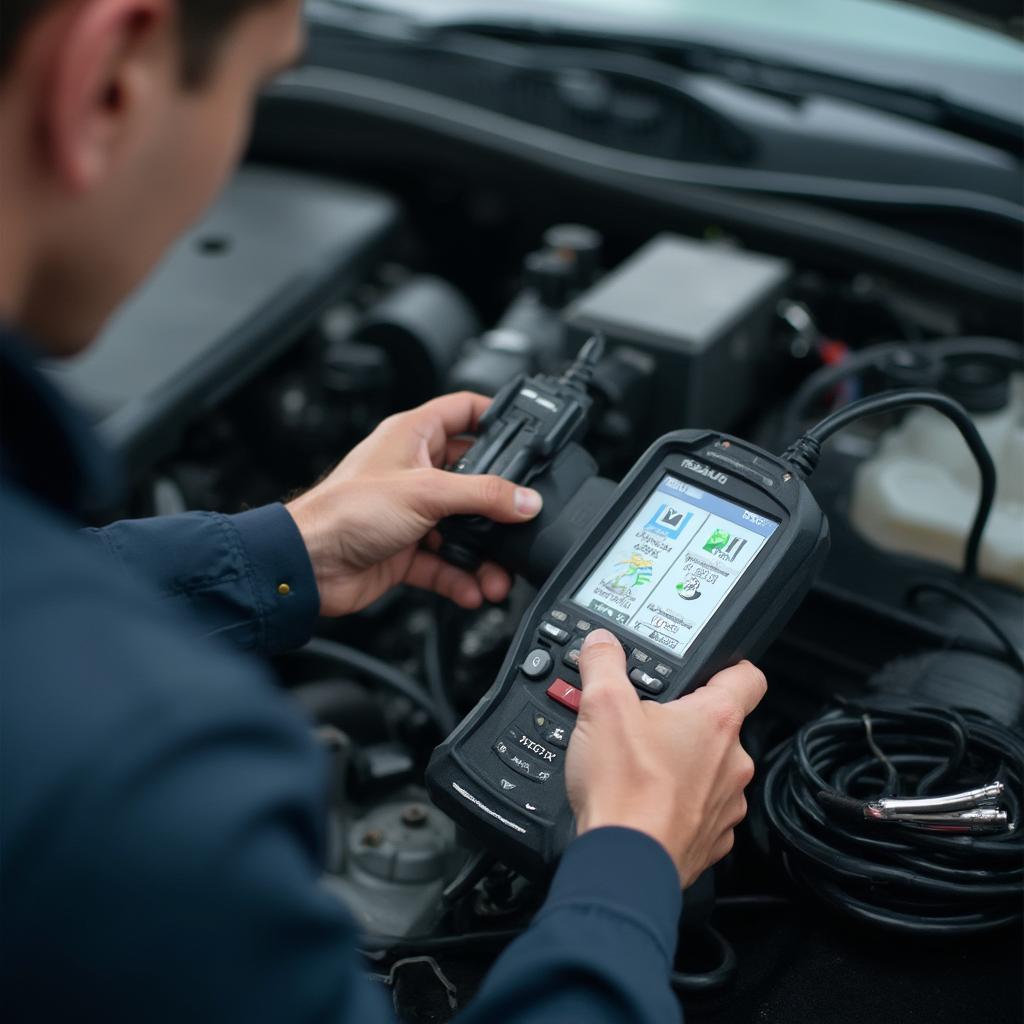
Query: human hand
pixel 675 771
pixel 363 523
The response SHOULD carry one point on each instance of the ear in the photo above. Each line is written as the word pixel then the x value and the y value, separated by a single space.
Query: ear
pixel 111 63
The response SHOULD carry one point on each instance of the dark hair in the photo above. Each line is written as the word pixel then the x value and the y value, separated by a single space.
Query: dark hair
pixel 203 24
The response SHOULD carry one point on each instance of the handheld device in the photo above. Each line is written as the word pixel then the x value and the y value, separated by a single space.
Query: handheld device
pixel 697 560
pixel 530 430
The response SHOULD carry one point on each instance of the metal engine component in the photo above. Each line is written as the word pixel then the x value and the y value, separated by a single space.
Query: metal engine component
pixel 396 859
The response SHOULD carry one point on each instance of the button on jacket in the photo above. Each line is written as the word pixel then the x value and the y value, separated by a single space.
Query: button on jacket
pixel 162 803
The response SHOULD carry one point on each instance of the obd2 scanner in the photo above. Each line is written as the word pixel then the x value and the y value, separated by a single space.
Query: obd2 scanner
pixel 697 561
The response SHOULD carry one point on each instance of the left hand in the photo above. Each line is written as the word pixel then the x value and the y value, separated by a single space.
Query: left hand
pixel 363 523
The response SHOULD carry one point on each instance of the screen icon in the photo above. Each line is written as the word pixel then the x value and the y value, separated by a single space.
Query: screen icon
pixel 717 541
pixel 689 589
pixel 635 571
pixel 669 521
pixel 724 546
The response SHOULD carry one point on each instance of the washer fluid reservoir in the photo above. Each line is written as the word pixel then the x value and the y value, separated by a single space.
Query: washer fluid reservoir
pixel 918 493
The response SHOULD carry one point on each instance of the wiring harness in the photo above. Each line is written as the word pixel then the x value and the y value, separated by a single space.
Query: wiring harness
pixel 903 816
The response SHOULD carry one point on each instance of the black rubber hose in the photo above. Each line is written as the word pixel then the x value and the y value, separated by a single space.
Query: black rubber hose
pixel 718 977
pixel 482 942
pixel 376 946
pixel 979 349
pixel 952 593
pixel 367 666
pixel 433 666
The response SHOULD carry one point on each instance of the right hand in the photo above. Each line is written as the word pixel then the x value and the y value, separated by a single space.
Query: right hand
pixel 675 771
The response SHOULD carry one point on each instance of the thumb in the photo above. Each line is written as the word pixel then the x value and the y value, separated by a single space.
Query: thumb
pixel 606 687
pixel 452 494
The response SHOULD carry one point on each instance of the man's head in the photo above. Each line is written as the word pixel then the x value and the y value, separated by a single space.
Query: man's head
pixel 119 122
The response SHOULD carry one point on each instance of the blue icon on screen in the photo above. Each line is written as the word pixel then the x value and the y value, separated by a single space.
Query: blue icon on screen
pixel 669 521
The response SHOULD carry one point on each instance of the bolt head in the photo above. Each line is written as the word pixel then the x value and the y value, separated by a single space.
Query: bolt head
pixel 414 815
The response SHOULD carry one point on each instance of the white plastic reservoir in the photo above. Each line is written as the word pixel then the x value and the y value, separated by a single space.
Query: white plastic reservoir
pixel 917 495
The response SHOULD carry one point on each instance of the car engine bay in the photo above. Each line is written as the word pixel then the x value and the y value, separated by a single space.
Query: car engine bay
pixel 366 261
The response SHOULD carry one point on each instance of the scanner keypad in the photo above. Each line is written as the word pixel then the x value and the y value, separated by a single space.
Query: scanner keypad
pixel 556 658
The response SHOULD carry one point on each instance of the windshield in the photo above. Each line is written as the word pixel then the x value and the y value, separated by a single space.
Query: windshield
pixel 880 26
pixel 891 45
pixel 892 27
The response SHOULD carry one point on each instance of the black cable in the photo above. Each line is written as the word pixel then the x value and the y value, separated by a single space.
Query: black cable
pixel 753 901
pixel 1013 652
pixel 433 666
pixel 581 371
pixel 379 946
pixel 903 878
pixel 806 450
pixel 938 351
pixel 475 868
pixel 718 977
pixel 368 666
pixel 399 944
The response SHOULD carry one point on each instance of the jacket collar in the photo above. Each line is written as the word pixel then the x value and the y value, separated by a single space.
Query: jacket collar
pixel 47 445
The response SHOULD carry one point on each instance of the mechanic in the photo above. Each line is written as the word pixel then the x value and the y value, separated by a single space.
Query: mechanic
pixel 162 802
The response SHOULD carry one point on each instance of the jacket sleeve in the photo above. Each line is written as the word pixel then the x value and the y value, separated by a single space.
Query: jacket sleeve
pixel 168 844
pixel 601 948
pixel 168 854
pixel 245 577
pixel 197 847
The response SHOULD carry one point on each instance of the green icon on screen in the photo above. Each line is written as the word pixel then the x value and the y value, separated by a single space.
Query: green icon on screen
pixel 717 541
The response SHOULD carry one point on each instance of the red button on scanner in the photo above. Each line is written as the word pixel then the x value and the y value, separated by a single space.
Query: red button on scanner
pixel 566 694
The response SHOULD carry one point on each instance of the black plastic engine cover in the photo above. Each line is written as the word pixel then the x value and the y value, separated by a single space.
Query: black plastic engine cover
pixel 236 291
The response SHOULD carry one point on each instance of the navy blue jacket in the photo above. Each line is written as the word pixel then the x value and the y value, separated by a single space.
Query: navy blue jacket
pixel 162 803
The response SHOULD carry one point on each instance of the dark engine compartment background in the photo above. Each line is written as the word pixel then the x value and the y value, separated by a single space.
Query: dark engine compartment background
pixel 280 383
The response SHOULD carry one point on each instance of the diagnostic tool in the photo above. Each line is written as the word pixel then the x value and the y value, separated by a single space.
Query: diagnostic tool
pixel 529 435
pixel 696 561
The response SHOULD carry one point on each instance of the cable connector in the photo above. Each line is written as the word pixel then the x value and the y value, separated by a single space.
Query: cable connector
pixel 979 819
pixel 580 373
pixel 803 455
pixel 982 796
pixel 532 422
pixel 970 811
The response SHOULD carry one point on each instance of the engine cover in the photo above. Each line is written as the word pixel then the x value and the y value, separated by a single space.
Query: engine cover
pixel 241 287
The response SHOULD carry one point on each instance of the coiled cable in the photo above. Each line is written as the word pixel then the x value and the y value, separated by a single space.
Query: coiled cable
pixel 912 875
